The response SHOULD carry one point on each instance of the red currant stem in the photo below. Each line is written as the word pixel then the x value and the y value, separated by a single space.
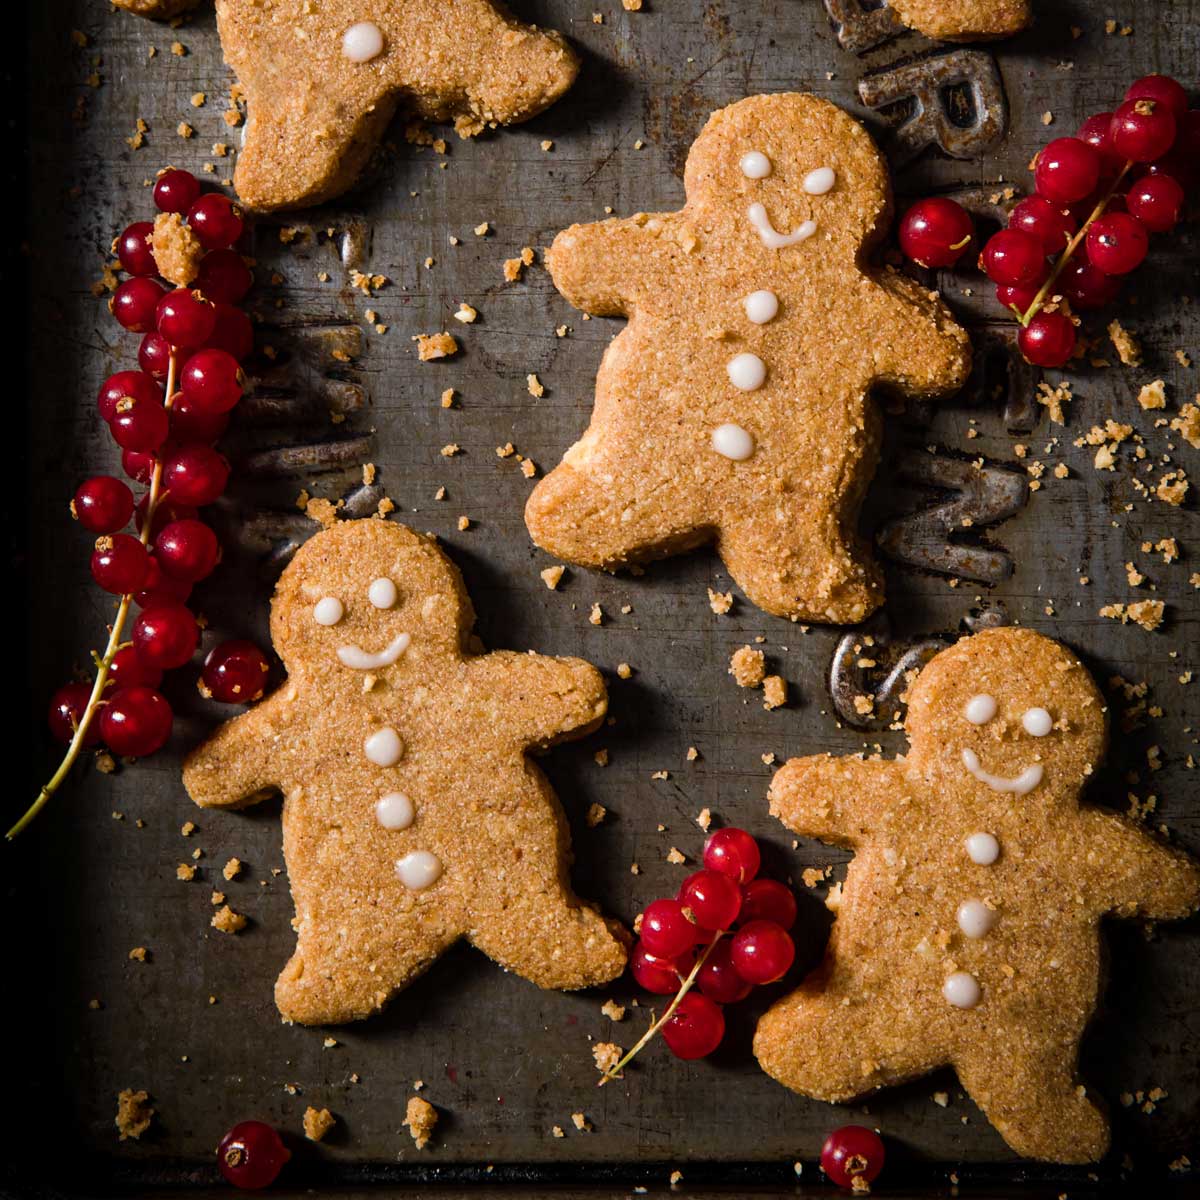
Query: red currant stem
pixel 1072 246
pixel 685 987
pixel 104 662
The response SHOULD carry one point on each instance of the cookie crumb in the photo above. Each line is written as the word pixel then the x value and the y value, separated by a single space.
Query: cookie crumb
pixel 774 691
pixel 227 921
pixel 612 1010
pixel 747 666
pixel 720 602
pixel 552 576
pixel 595 815
pixel 581 1122
pixel 317 1123
pixel 1128 349
pixel 432 346
pixel 1153 395
pixel 607 1055
pixel 177 250
pixel 421 1118
pixel 704 819
pixel 134 1113
pixel 232 868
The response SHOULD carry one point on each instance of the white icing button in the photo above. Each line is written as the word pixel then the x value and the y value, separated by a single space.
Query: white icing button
pixel 820 181
pixel 980 710
pixel 1017 784
pixel 747 372
pixel 384 747
pixel 983 848
pixel 755 165
pixel 328 611
pixel 975 918
pixel 360 660
pixel 419 869
pixel 382 593
pixel 362 42
pixel 771 237
pixel 962 990
pixel 395 811
pixel 1037 721
pixel 762 306
pixel 733 442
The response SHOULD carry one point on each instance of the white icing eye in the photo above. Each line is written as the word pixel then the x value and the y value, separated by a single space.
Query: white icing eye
pixel 820 181
pixel 382 593
pixel 755 165
pixel 1037 722
pixel 980 709
pixel 328 611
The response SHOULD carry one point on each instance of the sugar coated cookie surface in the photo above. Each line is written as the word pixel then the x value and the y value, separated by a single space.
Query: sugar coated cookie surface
pixel 412 816
pixel 964 20
pixel 967 930
pixel 322 81
pixel 733 407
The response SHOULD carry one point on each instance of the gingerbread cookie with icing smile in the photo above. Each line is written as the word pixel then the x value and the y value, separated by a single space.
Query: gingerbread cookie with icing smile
pixel 967 931
pixel 734 406
pixel 412 815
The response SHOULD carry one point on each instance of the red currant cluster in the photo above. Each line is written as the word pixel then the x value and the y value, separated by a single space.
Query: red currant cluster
pixel 165 417
pixel 251 1155
pixel 1099 196
pixel 691 940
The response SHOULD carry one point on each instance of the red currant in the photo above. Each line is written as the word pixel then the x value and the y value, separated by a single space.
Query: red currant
pixel 67 707
pixel 1156 201
pixel 165 512
pixel 138 425
pixel 665 931
pixel 1162 88
pixel 176 191
pixel 133 249
pixel 718 979
pixel 120 564
pixel 154 355
pixel 212 380
pixel 127 670
pixel 191 422
pixel 1117 243
pixel 1014 258
pixel 1051 225
pixel 1067 170
pixel 195 474
pixel 138 465
pixel 713 899
pixel 160 589
pixel 187 550
pixel 1094 131
pixel 695 1028
pixel 1019 298
pixel 135 722
pixel 762 952
pixel 165 636
pixel 768 900
pixel 1086 286
pixel 732 852
pixel 1048 340
pixel 234 333
pixel 936 232
pixel 1142 130
pixel 660 976
pixel 216 221
pixel 135 302
pixel 135 384
pixel 251 1155
pixel 224 276
pixel 852 1157
pixel 185 318
pixel 102 504
pixel 235 672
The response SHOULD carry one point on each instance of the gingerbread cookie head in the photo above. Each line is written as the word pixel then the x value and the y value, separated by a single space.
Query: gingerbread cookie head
pixel 1027 727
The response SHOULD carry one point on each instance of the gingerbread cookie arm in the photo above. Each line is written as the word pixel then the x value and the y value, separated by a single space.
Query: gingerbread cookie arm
pixel 238 766
pixel 838 800
pixel 601 267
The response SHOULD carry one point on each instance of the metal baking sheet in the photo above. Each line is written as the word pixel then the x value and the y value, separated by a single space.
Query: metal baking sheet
pixel 504 1062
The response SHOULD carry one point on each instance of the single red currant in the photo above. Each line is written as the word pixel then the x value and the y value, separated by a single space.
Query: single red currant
pixel 135 303
pixel 216 221
pixel 187 550
pixel 138 425
pixel 695 1028
pixel 234 333
pixel 102 504
pixel 659 976
pixel 135 722
pixel 1167 91
pixel 165 512
pixel 1094 131
pixel 191 422
pixel 1067 170
pixel 251 1155
pixel 160 589
pixel 768 900
pixel 852 1157
pixel 1048 340
pixel 712 899
pixel 212 380
pixel 127 670
pixel 133 249
pixel 732 852
pixel 176 191
pixel 936 232
pixel 762 952
pixel 718 979
pixel 1142 130
pixel 120 564
pixel 185 318
pixel 138 465
pixel 1086 286
pixel 134 384
pixel 1051 225
pixel 1014 258
pixel 154 355
pixel 223 276
pixel 67 707
pixel 195 474
pixel 235 672
pixel 665 931
pixel 1157 202
pixel 1019 298
pixel 165 636
pixel 1117 243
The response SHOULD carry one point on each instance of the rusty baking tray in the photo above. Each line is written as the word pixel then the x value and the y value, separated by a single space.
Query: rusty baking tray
pixel 504 1062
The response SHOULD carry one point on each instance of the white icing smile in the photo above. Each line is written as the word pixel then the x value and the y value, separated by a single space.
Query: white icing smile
pixel 360 660
pixel 771 237
pixel 1019 784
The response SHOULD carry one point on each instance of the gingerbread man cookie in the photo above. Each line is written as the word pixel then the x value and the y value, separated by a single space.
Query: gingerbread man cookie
pixel 964 20
pixel 734 406
pixel 412 816
pixel 967 931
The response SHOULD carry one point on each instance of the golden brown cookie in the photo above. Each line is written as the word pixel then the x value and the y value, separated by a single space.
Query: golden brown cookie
pixel 412 816
pixel 967 931
pixel 964 20
pixel 733 407
pixel 322 82
pixel 160 9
